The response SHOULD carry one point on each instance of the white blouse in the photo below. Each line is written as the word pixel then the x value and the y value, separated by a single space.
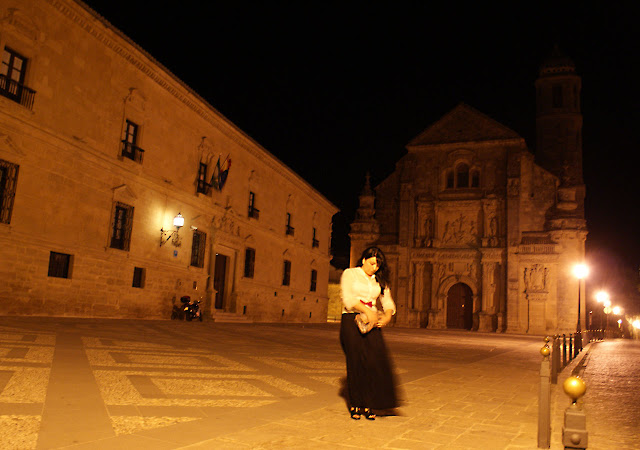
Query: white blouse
pixel 357 286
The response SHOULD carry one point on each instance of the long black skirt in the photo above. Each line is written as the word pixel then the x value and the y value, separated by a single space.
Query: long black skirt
pixel 370 378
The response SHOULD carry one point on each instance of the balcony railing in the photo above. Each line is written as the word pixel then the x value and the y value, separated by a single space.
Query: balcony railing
pixel 16 92
pixel 132 152
pixel 289 230
pixel 254 213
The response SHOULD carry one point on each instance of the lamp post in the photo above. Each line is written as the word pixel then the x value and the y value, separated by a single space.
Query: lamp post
pixel 580 271
pixel 603 297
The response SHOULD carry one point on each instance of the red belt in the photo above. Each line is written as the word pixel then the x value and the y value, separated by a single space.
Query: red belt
pixel 369 304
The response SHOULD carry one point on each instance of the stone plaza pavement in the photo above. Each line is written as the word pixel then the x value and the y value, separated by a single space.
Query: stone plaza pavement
pixel 125 384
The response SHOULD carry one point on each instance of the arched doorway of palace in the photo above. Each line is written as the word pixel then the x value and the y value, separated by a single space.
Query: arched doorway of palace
pixel 460 307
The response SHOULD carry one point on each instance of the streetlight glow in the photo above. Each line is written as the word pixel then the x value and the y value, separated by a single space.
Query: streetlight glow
pixel 617 310
pixel 580 271
pixel 602 297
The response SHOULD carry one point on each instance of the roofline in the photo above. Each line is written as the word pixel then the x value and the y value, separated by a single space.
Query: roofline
pixel 232 131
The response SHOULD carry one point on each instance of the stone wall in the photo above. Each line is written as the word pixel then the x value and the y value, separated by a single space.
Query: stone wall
pixel 89 80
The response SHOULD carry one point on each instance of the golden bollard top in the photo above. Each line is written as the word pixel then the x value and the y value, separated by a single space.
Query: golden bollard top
pixel 574 387
pixel 545 351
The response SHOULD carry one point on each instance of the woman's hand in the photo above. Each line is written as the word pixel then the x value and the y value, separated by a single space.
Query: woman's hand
pixel 384 319
pixel 372 316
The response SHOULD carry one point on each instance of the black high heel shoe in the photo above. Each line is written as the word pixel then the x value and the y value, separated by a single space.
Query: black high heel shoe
pixel 355 413
pixel 368 414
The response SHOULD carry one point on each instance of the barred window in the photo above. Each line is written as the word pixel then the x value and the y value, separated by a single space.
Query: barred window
pixel 121 225
pixel 138 277
pixel 198 248
pixel 286 275
pixel 314 280
pixel 249 262
pixel 59 265
pixel 8 184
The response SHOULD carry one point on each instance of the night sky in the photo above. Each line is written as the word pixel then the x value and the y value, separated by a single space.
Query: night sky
pixel 336 89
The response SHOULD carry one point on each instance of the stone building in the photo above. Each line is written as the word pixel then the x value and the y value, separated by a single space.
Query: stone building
pixel 101 147
pixel 480 234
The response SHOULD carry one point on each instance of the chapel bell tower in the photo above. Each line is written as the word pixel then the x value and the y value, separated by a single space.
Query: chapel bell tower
pixel 559 128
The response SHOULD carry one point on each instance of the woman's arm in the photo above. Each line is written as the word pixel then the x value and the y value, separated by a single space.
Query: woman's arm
pixel 389 307
pixel 349 298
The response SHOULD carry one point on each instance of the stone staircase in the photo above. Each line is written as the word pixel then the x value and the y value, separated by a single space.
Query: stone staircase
pixel 228 317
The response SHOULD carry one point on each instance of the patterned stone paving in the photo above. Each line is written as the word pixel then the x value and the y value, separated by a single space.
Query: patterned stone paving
pixel 25 362
pixel 100 384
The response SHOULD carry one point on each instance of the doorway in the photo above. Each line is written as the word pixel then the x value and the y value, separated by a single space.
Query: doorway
pixel 460 307
pixel 219 279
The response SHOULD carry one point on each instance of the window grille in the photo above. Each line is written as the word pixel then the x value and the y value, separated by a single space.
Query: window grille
pixel 249 262
pixel 122 223
pixel 198 248
pixel 59 264
pixel 8 185
pixel 286 276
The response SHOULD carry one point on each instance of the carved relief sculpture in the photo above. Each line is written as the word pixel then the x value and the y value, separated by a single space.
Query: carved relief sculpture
pixel 535 278
pixel 459 230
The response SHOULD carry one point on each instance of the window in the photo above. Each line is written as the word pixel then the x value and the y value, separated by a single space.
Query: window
pixel 289 229
pixel 449 179
pixel 314 241
pixel 203 186
pixel 475 179
pixel 314 280
pixel 462 176
pixel 138 277
pixel 121 226
pixel 8 183
pixel 556 96
pixel 253 211
pixel 59 264
pixel 12 72
pixel 286 273
pixel 130 147
pixel 198 248
pixel 249 262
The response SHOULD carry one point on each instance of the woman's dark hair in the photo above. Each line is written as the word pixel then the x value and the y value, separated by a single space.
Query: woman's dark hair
pixel 383 274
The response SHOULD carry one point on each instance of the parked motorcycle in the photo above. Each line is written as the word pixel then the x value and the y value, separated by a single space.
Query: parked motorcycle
pixel 189 310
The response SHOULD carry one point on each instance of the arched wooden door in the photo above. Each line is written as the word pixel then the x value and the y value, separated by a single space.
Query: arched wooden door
pixel 460 307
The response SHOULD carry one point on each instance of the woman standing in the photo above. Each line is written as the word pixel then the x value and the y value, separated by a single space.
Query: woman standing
pixel 370 380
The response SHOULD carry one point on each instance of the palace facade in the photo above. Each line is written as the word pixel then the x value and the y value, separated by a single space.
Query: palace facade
pixel 101 148
pixel 480 233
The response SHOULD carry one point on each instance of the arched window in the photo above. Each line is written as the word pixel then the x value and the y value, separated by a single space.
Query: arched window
pixel 475 178
pixel 449 179
pixel 462 176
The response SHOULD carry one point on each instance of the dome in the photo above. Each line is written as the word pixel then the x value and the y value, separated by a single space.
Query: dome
pixel 556 64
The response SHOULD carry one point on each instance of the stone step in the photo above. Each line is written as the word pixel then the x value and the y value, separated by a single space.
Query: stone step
pixel 227 317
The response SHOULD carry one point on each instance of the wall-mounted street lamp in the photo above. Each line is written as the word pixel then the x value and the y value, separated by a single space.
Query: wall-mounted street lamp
pixel 178 222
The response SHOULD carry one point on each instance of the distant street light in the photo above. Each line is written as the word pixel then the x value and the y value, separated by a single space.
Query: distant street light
pixel 603 297
pixel 580 271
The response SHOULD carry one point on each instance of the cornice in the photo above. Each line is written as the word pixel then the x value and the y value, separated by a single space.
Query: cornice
pixel 168 81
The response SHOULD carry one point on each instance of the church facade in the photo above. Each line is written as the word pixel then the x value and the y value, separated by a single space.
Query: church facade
pixel 122 190
pixel 480 233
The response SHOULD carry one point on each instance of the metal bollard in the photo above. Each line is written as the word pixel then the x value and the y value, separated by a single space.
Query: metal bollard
pixel 564 350
pixel 544 400
pixel 555 359
pixel 574 431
